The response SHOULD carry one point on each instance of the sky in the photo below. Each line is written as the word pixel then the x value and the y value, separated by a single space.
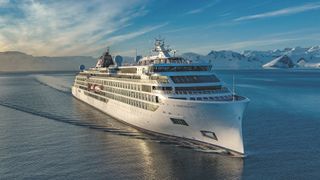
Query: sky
pixel 81 27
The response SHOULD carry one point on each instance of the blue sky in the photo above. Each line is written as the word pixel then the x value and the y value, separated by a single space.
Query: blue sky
pixel 75 27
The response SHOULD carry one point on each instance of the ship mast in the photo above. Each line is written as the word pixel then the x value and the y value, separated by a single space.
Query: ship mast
pixel 160 48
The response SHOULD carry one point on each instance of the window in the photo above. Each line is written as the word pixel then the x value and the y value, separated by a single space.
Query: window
pixel 180 68
pixel 146 88
pixel 181 98
pixel 208 88
pixel 209 134
pixel 160 79
pixel 128 70
pixel 162 88
pixel 194 79
pixel 179 121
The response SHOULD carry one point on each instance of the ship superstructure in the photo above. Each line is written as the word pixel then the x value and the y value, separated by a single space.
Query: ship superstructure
pixel 166 95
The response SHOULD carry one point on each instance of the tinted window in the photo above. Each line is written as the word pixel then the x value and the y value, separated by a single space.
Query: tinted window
pixel 194 79
pixel 180 68
pixel 198 88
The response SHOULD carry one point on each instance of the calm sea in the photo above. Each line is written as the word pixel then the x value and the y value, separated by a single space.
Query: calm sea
pixel 45 133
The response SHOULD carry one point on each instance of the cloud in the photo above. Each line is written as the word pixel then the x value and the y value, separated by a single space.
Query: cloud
pixel 131 35
pixel 201 9
pixel 113 40
pixel 68 27
pixel 281 12
pixel 4 2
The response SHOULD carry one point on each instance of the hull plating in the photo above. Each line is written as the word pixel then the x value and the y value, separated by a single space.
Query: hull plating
pixel 224 118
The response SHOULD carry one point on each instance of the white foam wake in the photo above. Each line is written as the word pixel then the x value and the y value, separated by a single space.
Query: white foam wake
pixel 57 82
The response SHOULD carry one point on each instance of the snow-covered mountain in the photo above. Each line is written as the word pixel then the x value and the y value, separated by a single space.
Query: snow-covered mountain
pixel 224 59
pixel 280 62
pixel 251 59
pixel 302 63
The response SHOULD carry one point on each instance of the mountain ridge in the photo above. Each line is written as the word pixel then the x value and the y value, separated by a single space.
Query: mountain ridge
pixel 220 59
pixel 255 59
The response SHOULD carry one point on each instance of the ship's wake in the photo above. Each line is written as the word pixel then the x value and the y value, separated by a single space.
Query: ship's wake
pixel 91 125
pixel 55 82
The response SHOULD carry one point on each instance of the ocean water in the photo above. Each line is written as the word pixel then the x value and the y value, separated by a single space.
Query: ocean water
pixel 45 133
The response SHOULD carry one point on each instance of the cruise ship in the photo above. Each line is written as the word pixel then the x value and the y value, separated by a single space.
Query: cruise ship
pixel 166 95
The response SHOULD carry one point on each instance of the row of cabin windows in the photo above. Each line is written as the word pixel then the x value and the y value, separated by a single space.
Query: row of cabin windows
pixel 136 103
pixel 179 68
pixel 96 97
pixel 124 92
pixel 195 79
pixel 137 95
pixel 162 88
pixel 136 87
pixel 95 81
pixel 160 79
pixel 198 88
pixel 81 83
pixel 217 98
pixel 129 101
pixel 81 78
pixel 128 70
pixel 124 76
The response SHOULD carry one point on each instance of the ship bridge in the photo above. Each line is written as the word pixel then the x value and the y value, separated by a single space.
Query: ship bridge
pixel 162 56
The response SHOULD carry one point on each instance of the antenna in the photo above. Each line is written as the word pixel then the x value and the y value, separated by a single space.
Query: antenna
pixel 174 52
pixel 233 87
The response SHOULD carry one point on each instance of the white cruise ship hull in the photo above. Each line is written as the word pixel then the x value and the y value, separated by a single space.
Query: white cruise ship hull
pixel 224 118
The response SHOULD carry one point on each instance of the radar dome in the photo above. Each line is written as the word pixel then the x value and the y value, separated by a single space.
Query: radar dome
pixel 82 67
pixel 118 60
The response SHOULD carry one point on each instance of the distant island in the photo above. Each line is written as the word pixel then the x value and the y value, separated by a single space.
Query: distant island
pixel 298 57
pixel 14 61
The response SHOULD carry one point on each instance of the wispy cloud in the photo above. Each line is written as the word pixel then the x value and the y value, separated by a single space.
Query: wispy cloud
pixel 4 2
pixel 281 12
pixel 201 9
pixel 131 35
pixel 69 27
pixel 117 39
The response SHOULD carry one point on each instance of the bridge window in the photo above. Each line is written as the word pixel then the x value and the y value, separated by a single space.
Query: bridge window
pixel 198 88
pixel 194 79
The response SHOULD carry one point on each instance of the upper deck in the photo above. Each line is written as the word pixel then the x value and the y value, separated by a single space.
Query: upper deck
pixel 163 75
